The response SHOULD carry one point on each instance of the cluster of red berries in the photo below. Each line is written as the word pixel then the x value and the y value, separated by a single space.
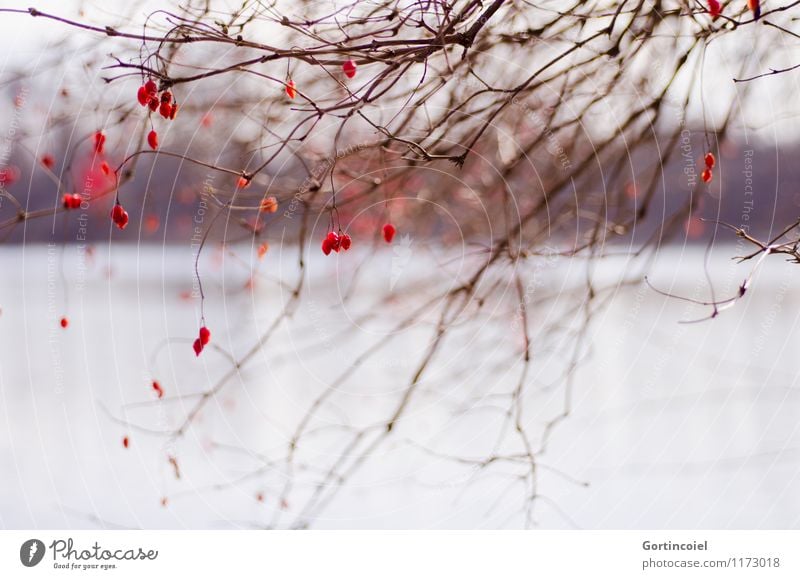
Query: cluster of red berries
pixel 202 340
pixel 119 216
pixel 334 242
pixel 707 174
pixel 71 201
pixel 165 105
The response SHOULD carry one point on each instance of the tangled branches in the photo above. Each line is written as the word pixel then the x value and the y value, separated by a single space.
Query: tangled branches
pixel 532 136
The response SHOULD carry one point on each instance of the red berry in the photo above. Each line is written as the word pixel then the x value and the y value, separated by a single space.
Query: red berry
pixel 99 142
pixel 326 246
pixel 71 201
pixel 165 110
pixel 158 389
pixel 151 87
pixel 268 205
pixel 166 97
pixel 291 90
pixel 205 335
pixel 710 160
pixel 151 223
pixel 64 322
pixel 714 8
pixel 346 242
pixel 242 182
pixel 197 346
pixel 334 241
pixel 105 168
pixel 119 216
pixel 174 111
pixel 349 68
pixel 707 175
pixel 126 441
pixel 755 6
pixel 143 96
pixel 153 104
pixel 388 232
pixel 152 140
pixel 48 161
pixel 9 175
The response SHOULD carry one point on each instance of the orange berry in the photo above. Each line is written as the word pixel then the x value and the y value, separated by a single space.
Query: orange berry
pixel 268 205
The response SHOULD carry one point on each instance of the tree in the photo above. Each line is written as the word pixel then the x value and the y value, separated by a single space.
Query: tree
pixel 537 133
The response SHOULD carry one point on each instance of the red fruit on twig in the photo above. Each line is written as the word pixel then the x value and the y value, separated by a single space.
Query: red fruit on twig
pixel 334 241
pixel 126 442
pixel 48 161
pixel 755 8
pixel 165 110
pixel 9 175
pixel 388 232
pixel 706 175
pixel 99 142
pixel 714 8
pixel 151 87
pixel 242 182
pixel 119 216
pixel 105 168
pixel 152 140
pixel 268 205
pixel 64 323
pixel 349 68
pixel 205 335
pixel 346 242
pixel 158 389
pixel 71 201
pixel 326 246
pixel 291 90
pixel 197 346
pixel 143 96
pixel 153 103
pixel 710 160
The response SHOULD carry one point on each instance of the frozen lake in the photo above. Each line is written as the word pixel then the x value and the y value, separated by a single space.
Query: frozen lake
pixel 672 426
